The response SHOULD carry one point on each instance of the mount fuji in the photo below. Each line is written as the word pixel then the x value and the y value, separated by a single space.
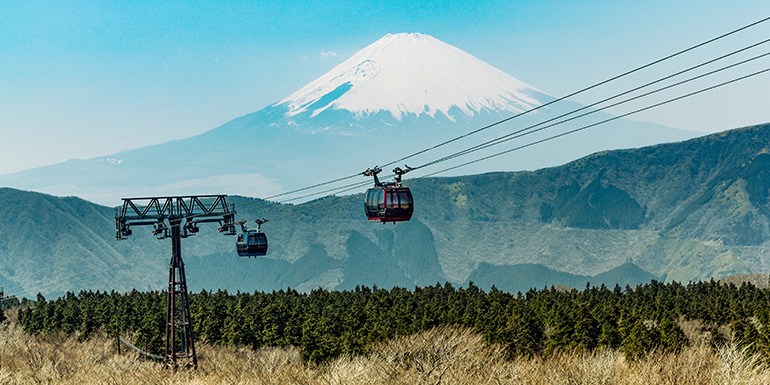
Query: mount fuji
pixel 409 76
pixel 403 93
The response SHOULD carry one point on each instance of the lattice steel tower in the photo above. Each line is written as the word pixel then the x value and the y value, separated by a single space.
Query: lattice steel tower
pixel 176 218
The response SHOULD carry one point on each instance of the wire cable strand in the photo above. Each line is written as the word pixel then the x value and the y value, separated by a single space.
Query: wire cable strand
pixel 598 123
pixel 580 128
pixel 637 69
pixel 530 129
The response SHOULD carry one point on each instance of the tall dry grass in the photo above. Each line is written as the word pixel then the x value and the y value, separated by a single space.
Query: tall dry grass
pixel 438 356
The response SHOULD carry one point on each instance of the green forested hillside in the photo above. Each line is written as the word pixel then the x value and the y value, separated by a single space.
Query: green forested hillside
pixel 678 211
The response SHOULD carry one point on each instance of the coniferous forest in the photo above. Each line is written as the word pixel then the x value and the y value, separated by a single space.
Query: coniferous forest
pixel 327 324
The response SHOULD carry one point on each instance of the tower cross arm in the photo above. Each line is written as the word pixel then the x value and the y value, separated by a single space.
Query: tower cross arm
pixel 192 209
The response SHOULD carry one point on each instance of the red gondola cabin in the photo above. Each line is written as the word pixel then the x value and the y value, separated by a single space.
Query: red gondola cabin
pixel 389 203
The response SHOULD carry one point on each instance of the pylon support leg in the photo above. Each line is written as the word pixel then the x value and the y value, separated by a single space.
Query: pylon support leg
pixel 180 344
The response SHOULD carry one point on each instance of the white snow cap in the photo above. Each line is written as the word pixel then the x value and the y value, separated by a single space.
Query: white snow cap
pixel 413 73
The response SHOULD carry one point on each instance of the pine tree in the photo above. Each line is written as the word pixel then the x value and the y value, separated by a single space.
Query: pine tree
pixel 764 334
pixel 671 335
pixel 586 331
pixel 524 332
pixel 751 338
pixel 610 336
pixel 639 341
pixel 633 345
pixel 563 330
pixel 313 347
pixel 737 327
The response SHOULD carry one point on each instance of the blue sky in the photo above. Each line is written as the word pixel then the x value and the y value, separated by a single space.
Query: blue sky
pixel 88 78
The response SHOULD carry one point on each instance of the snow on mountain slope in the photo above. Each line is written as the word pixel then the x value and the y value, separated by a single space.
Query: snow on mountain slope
pixel 412 73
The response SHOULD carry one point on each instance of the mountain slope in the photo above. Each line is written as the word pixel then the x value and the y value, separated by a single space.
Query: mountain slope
pixel 402 94
pixel 522 277
pixel 679 211
pixel 49 243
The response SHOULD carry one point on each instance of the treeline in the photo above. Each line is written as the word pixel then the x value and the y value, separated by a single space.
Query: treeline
pixel 326 324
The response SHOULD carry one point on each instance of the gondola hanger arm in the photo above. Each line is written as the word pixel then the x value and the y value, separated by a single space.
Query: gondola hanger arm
pixel 399 172
pixel 373 172
pixel 260 222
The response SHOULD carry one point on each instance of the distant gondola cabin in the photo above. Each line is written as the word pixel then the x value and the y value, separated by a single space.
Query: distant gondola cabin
pixel 251 244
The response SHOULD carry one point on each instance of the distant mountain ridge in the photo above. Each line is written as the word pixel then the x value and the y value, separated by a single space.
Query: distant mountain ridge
pixel 400 95
pixel 678 211
pixel 522 277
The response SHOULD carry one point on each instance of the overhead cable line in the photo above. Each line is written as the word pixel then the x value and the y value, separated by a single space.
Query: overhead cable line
pixel 328 193
pixel 531 130
pixel 580 91
pixel 311 187
pixel 323 193
pixel 140 351
pixel 598 123
pixel 331 190
pixel 568 132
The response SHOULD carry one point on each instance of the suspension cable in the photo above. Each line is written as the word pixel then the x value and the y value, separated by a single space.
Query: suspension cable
pixel 581 90
pixel 598 123
pixel 524 131
pixel 531 130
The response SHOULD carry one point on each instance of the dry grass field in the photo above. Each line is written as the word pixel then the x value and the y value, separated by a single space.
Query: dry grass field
pixel 438 356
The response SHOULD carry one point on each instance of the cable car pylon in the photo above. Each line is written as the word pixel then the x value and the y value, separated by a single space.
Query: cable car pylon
pixel 176 218
pixel 388 202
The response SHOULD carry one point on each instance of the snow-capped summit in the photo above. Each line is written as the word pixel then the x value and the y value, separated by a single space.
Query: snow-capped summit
pixel 411 73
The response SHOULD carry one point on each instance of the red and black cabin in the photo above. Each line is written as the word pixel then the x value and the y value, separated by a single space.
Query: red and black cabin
pixel 388 202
